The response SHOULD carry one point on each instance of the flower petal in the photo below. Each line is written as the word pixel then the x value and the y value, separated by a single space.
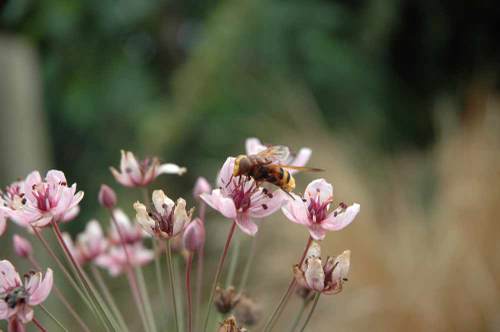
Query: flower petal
pixel 25 314
pixel 254 146
pixel 226 173
pixel 220 203
pixel 314 274
pixel 336 222
pixel 43 290
pixel 321 187
pixel 170 169
pixel 246 224
pixel 268 206
pixel 317 232
pixel 9 278
pixel 296 211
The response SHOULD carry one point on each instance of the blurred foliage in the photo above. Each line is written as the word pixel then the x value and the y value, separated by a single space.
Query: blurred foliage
pixel 190 80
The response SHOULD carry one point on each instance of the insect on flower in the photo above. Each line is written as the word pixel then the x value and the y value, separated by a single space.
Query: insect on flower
pixel 269 166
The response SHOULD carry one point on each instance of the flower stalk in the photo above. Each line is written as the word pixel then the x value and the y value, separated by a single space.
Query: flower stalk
pixel 172 283
pixel 308 318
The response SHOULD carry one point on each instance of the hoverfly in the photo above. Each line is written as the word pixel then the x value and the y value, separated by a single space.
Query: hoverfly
pixel 270 166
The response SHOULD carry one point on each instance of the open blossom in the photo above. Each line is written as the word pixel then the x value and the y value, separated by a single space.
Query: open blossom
pixel 130 232
pixel 115 259
pixel 89 244
pixel 165 219
pixel 200 187
pixel 328 278
pixel 42 201
pixel 313 210
pixel 16 298
pixel 254 146
pixel 134 173
pixel 11 199
pixel 240 199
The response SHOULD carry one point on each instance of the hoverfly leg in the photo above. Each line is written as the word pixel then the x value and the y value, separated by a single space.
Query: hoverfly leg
pixel 289 194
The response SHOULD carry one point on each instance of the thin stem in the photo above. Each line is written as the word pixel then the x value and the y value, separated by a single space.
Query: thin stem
pixel 308 318
pixel 172 283
pixel 299 315
pixel 62 298
pixel 38 325
pixel 139 301
pixel 53 318
pixel 179 288
pixel 108 296
pixel 233 263
pixel 188 291
pixel 217 274
pixel 248 264
pixel 159 277
pixel 279 309
pixel 145 295
pixel 199 285
pixel 83 279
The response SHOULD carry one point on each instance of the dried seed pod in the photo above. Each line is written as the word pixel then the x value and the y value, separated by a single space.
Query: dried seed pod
pixel 226 299
pixel 247 312
pixel 230 325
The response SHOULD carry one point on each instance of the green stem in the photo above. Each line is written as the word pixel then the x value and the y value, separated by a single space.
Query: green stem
pixel 172 283
pixel 248 264
pixel 299 316
pixel 218 273
pixel 233 263
pixel 308 318
pixel 159 277
pixel 108 296
pixel 188 292
pixel 145 295
pixel 53 318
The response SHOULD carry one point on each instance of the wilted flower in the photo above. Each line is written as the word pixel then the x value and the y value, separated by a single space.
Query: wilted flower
pixel 240 199
pixel 22 247
pixel 328 278
pixel 135 173
pixel 107 197
pixel 201 187
pixel 247 311
pixel 312 210
pixel 230 325
pixel 254 146
pixel 165 219
pixel 127 231
pixel 42 201
pixel 115 259
pixel 226 299
pixel 194 235
pixel 16 298
pixel 89 244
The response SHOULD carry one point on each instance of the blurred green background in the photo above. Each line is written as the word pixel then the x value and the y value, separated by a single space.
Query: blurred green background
pixel 376 84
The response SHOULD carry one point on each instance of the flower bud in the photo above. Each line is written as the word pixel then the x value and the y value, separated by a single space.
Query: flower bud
pixel 194 235
pixel 22 247
pixel 200 187
pixel 107 197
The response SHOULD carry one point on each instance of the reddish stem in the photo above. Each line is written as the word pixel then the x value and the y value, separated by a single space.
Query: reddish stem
pixel 218 272
pixel 38 325
pixel 188 290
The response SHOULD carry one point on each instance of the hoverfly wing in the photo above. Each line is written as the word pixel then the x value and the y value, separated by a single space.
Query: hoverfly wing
pixel 276 153
pixel 302 169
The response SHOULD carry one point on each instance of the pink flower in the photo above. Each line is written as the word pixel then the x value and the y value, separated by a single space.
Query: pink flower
pixel 328 278
pixel 240 199
pixel 3 221
pixel 135 173
pixel 11 199
pixel 254 146
pixel 200 187
pixel 42 201
pixel 194 235
pixel 312 210
pixel 16 298
pixel 165 219
pixel 131 232
pixel 22 247
pixel 89 244
pixel 115 260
